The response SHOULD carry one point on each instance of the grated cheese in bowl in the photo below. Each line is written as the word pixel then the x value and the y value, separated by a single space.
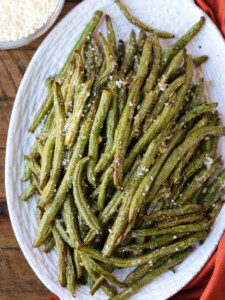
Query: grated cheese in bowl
pixel 20 19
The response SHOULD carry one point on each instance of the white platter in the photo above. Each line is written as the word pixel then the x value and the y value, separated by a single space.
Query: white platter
pixel 171 15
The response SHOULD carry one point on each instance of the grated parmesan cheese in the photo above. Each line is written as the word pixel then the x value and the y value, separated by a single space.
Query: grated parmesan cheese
pixel 18 19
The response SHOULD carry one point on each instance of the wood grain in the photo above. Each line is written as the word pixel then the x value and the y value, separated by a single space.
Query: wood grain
pixel 17 280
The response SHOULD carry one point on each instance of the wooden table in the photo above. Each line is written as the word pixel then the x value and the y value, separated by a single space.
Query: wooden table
pixel 17 280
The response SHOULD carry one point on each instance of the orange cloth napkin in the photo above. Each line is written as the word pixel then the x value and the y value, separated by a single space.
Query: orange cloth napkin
pixel 215 9
pixel 209 284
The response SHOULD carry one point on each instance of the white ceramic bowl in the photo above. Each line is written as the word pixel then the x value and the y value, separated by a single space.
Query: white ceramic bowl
pixel 170 15
pixel 40 31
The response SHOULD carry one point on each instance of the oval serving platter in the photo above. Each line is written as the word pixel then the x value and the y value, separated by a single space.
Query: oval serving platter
pixel 163 14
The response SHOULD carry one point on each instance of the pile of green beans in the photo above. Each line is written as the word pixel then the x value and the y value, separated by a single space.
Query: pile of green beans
pixel 124 158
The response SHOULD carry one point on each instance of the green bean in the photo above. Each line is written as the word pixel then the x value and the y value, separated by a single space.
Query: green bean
pixel 175 177
pixel 34 166
pixel 145 107
pixel 72 229
pixel 90 61
pixel 181 43
pixel 171 213
pixel 214 199
pixel 103 67
pixel 50 244
pixel 83 52
pixel 167 94
pixel 67 80
pixel 80 200
pixel 172 67
pixel 90 282
pixel 122 131
pixel 106 288
pixel 153 244
pixel 147 181
pixel 181 220
pixel 152 77
pixel 27 169
pixel 47 159
pixel 197 62
pixel 77 79
pixel 83 228
pixel 85 36
pixel 192 139
pixel 183 90
pixel 111 65
pixel 129 54
pixel 162 82
pixel 37 183
pixel 124 120
pixel 122 218
pixel 48 102
pixel 62 231
pixel 78 263
pixel 152 256
pixel 195 164
pixel 165 266
pixel 103 272
pixel 196 111
pixel 120 51
pixel 48 83
pixel 112 116
pixel 114 203
pixel 214 145
pixel 198 180
pixel 111 37
pixel 70 272
pixel 215 210
pixel 94 135
pixel 213 187
pixel 39 147
pixel 200 60
pixel 78 109
pixel 68 155
pixel 197 94
pixel 198 193
pixel 50 189
pixel 139 24
pixel 29 192
pixel 43 110
pixel 66 183
pixel 122 99
pixel 156 127
pixel 43 135
pixel 61 250
pixel 141 40
pixel 140 271
pixel 70 220
pixel 176 229
pixel 97 285
pixel 98 55
pixel 144 62
pixel 103 186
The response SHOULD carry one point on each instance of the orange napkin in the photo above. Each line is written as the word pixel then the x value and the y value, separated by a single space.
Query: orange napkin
pixel 215 9
pixel 209 284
